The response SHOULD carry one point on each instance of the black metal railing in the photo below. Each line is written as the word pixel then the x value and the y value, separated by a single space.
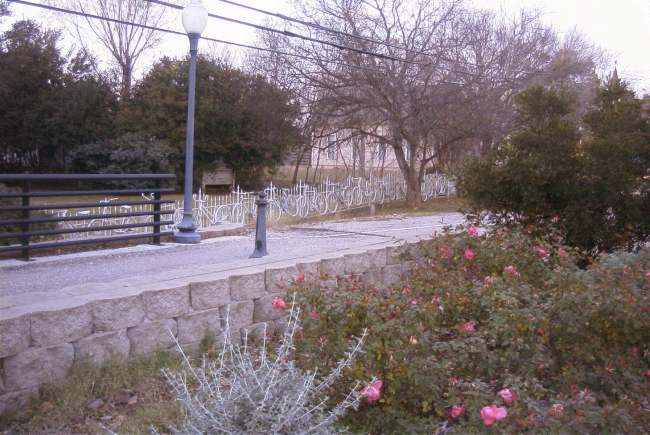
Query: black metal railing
pixel 23 237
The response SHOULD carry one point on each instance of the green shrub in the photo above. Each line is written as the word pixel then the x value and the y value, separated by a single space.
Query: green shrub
pixel 130 153
pixel 588 180
pixel 481 314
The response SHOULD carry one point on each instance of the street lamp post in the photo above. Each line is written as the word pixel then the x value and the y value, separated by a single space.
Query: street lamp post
pixel 195 18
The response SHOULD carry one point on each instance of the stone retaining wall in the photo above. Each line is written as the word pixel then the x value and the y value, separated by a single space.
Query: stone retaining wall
pixel 42 346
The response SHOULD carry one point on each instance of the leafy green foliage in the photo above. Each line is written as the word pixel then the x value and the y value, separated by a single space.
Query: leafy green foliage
pixel 478 315
pixel 590 185
pixel 51 105
pixel 130 153
pixel 240 118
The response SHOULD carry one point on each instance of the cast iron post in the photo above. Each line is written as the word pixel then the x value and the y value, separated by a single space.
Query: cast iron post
pixel 186 230
pixel 260 227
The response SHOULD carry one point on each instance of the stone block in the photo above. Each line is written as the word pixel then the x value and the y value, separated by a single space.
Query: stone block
pixel 14 335
pixel 373 278
pixel 392 274
pixel 239 314
pixel 264 309
pixel 377 257
pixel 250 286
pixel 61 326
pixel 166 303
pixel 194 327
pixel 120 313
pixel 37 365
pixel 356 263
pixel 152 336
pixel 256 331
pixel 280 325
pixel 17 402
pixel 210 294
pixel 279 280
pixel 329 283
pixel 394 254
pixel 102 347
pixel 197 346
pixel 407 266
pixel 332 267
pixel 311 270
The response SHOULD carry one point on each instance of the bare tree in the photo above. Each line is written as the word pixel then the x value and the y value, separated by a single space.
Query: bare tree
pixel 443 80
pixel 4 8
pixel 125 43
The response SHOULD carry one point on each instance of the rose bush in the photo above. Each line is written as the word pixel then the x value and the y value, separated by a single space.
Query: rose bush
pixel 512 338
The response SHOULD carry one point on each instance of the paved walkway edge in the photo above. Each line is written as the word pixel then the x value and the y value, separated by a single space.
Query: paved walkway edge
pixel 40 343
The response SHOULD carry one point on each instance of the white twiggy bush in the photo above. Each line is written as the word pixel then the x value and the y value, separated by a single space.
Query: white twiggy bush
pixel 260 390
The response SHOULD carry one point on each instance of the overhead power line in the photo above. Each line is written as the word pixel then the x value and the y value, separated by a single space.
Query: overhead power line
pixel 290 34
pixel 305 23
pixel 323 28
pixel 221 41
pixel 175 32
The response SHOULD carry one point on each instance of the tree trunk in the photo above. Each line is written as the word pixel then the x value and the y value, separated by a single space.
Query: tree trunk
pixel 413 189
pixel 299 156
pixel 127 74
pixel 408 169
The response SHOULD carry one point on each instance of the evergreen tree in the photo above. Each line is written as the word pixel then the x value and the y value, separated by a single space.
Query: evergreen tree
pixel 592 187
pixel 240 118
pixel 49 105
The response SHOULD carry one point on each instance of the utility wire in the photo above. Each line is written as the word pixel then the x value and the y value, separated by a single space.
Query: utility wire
pixel 221 41
pixel 174 32
pixel 290 34
pixel 323 28
pixel 306 23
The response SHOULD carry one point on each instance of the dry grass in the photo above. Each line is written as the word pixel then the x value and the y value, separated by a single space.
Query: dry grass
pixel 121 396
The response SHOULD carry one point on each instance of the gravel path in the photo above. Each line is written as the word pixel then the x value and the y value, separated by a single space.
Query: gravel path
pixel 55 273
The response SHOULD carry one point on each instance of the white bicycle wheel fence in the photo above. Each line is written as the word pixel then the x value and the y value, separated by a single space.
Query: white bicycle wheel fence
pixel 300 201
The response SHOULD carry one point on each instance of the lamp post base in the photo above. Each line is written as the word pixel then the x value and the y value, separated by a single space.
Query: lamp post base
pixel 187 237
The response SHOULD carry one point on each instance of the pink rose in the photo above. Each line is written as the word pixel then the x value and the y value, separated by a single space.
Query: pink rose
pixel 279 303
pixel 542 252
pixel 457 411
pixel 469 254
pixel 511 270
pixel 492 414
pixel 373 391
pixel 556 410
pixel 647 274
pixel 488 280
pixel 414 301
pixel 507 395
pixel 472 231
pixel 301 277
pixel 470 326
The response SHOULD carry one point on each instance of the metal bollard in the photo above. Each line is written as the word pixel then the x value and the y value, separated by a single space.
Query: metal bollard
pixel 260 226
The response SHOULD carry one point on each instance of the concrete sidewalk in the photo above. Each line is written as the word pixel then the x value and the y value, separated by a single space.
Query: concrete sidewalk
pixel 50 278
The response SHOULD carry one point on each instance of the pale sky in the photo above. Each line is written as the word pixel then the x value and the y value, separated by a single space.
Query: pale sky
pixel 621 28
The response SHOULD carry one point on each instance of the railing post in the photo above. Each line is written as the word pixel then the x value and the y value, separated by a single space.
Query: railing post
pixel 24 227
pixel 260 227
pixel 156 216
